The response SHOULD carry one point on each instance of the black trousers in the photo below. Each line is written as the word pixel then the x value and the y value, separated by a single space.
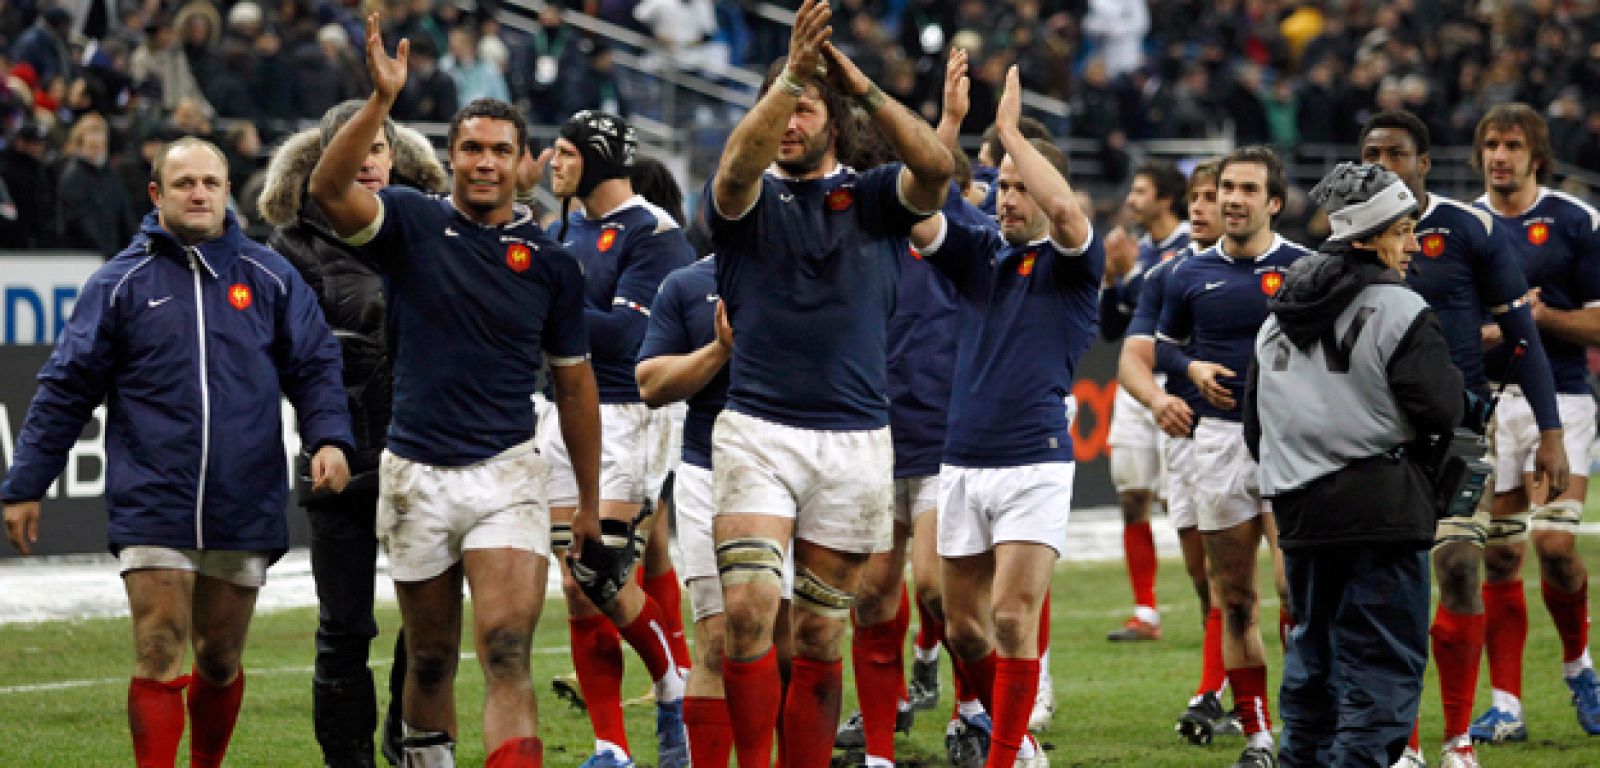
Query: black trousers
pixel 1352 679
pixel 344 552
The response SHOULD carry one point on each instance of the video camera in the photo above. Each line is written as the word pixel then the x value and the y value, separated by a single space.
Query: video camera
pixel 1455 462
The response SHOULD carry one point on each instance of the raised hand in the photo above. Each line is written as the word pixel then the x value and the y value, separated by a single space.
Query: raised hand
pixel 811 31
pixel 388 72
pixel 1009 111
pixel 843 74
pixel 956 85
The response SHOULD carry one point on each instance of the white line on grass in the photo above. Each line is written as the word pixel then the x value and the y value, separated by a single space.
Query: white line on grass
pixel 65 685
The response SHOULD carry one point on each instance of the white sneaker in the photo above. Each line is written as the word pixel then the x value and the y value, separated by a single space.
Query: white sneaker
pixel 1411 758
pixel 1458 753
pixel 1044 704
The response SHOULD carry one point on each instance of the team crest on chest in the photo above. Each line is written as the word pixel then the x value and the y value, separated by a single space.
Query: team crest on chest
pixel 1026 267
pixel 1271 282
pixel 239 296
pixel 1539 233
pixel 840 199
pixel 519 257
pixel 607 239
pixel 1433 245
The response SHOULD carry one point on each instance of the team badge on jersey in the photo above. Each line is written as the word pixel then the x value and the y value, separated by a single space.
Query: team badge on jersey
pixel 840 199
pixel 239 296
pixel 1271 282
pixel 519 257
pixel 1433 245
pixel 1539 233
pixel 1026 267
pixel 607 239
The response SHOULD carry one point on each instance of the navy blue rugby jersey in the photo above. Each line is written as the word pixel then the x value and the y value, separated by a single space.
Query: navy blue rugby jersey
pixel 1465 271
pixel 1120 301
pixel 1557 244
pixel 625 256
pixel 922 354
pixel 1147 310
pixel 1215 305
pixel 682 320
pixel 474 313
pixel 809 276
pixel 1027 313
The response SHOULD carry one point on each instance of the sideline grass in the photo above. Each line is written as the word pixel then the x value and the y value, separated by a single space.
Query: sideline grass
pixel 1116 703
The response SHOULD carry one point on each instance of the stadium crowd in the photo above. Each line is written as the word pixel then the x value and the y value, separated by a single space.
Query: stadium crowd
pixel 936 307
pixel 249 73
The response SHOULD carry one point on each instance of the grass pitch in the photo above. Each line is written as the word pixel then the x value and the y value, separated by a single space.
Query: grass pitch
pixel 63 686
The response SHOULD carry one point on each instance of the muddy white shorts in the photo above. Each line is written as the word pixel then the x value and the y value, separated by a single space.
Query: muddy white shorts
pixel 429 515
pixel 1517 436
pixel 626 445
pixel 837 486
pixel 1180 482
pixel 915 497
pixel 237 567
pixel 980 507
pixel 1225 485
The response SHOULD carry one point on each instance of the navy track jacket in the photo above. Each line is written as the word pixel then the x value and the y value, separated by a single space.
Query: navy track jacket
pixel 190 347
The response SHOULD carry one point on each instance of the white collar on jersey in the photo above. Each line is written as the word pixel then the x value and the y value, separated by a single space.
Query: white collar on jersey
pixel 1222 249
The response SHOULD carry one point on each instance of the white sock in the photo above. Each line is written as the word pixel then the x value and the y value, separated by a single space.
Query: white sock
pixel 1576 667
pixel 1505 702
pixel 1147 614
pixel 1261 740
pixel 671 686
pixel 969 707
pixel 925 656
pixel 1028 749
pixel 1044 667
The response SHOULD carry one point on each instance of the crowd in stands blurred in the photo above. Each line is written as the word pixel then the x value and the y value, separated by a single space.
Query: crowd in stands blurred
pixel 94 87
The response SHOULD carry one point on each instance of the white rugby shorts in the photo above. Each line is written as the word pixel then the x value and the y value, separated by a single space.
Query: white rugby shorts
pixel 626 444
pixel 428 515
pixel 665 445
pixel 980 507
pixel 837 485
pixel 1517 436
pixel 237 567
pixel 697 548
pixel 915 497
pixel 1181 510
pixel 1226 489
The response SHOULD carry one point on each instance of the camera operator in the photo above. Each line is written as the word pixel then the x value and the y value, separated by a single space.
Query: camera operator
pixel 1351 372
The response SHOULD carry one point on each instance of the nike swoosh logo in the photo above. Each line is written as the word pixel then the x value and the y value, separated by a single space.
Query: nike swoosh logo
pixel 1217 284
pixel 786 198
pixel 448 232
pixel 159 302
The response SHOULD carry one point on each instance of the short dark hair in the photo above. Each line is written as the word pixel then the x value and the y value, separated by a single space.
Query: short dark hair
pixel 1169 184
pixel 1400 120
pixel 1029 127
pixel 848 140
pixel 186 141
pixel 493 109
pixel 341 113
pixel 1534 128
pixel 1052 154
pixel 1277 184
pixel 653 181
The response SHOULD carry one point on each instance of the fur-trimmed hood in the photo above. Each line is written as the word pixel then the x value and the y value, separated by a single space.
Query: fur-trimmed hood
pixel 284 193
